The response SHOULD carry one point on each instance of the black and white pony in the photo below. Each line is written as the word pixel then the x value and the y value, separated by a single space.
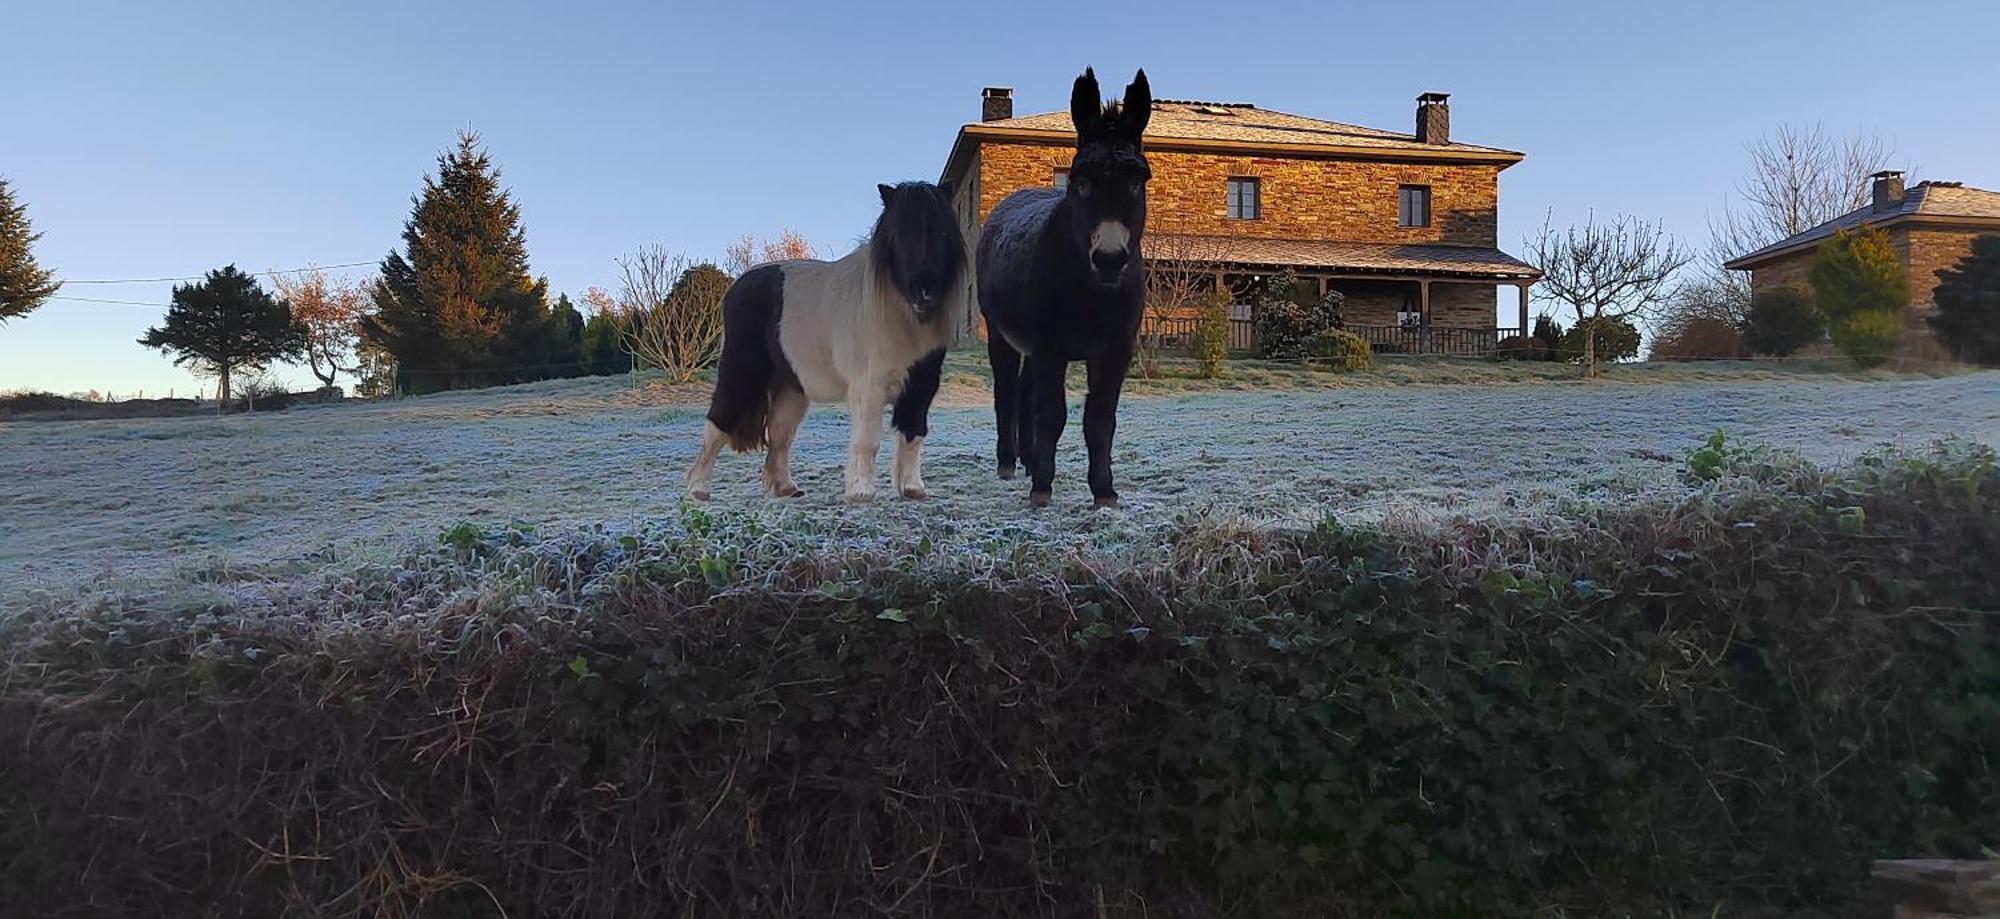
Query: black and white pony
pixel 1061 279
pixel 864 330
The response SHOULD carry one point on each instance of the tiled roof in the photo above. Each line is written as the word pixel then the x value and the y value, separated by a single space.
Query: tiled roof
pixel 1441 259
pixel 1237 122
pixel 1948 200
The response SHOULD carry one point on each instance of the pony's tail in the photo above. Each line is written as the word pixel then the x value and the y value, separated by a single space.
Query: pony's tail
pixel 746 373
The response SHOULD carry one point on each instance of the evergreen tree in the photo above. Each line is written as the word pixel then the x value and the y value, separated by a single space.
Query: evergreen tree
pixel 1781 321
pixel 224 324
pixel 563 340
pixel 24 285
pixel 1968 304
pixel 1860 288
pixel 604 351
pixel 458 307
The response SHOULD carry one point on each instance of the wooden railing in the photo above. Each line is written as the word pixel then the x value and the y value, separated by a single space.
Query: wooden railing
pixel 1177 332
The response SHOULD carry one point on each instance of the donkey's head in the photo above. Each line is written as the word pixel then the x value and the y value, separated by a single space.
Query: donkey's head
pixel 916 245
pixel 1107 179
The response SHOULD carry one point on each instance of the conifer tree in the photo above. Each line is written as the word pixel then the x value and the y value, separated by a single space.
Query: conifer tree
pixel 24 285
pixel 224 324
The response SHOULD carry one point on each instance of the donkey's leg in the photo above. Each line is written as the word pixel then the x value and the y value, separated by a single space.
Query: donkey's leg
pixel 911 419
pixel 1049 411
pixel 712 441
pixel 864 409
pixel 1100 420
pixel 788 409
pixel 1007 391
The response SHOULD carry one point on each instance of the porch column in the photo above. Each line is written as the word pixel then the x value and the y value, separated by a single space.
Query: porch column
pixel 1523 287
pixel 1424 311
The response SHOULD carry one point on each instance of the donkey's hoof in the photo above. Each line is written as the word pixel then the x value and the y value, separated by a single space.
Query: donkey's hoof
pixel 1104 502
pixel 916 494
pixel 1038 498
pixel 1006 471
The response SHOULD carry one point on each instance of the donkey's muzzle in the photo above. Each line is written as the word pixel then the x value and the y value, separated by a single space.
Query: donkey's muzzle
pixel 1108 265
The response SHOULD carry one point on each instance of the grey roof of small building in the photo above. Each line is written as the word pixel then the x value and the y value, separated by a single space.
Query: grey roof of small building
pixel 1358 257
pixel 1944 200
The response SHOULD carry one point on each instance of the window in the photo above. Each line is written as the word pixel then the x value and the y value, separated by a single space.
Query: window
pixel 1413 205
pixel 1062 179
pixel 1245 199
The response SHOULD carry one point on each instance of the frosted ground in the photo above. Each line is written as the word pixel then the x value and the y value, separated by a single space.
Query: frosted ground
pixel 136 500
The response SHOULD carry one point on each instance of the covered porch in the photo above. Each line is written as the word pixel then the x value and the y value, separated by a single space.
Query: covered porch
pixel 1402 299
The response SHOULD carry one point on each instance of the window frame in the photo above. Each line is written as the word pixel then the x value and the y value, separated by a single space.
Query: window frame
pixel 1061 179
pixel 1234 201
pixel 1405 204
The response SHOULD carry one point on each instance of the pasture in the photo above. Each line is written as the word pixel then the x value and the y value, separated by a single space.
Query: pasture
pixel 135 502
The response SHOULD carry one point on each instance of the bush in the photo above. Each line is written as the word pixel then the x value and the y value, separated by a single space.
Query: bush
pixel 1699 339
pixel 1860 289
pixel 1617 340
pixel 1968 304
pixel 1210 342
pixel 1781 321
pixel 259 393
pixel 1738 697
pixel 1290 313
pixel 1869 338
pixel 1550 333
pixel 1341 350
pixel 1521 348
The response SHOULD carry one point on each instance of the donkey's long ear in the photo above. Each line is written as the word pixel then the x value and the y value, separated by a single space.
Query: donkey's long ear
pixel 1137 110
pixel 1086 106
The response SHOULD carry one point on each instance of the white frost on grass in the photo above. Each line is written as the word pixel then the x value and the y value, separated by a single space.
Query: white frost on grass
pixel 148 499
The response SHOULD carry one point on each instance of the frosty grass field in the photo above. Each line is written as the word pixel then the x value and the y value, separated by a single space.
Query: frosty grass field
pixel 135 501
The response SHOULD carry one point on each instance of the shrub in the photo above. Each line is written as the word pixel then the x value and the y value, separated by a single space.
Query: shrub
pixel 1968 304
pixel 261 393
pixel 1781 321
pixel 1290 313
pixel 1738 697
pixel 1699 339
pixel 1210 342
pixel 1550 333
pixel 1521 348
pixel 1617 340
pixel 1860 289
pixel 1341 350
pixel 1869 338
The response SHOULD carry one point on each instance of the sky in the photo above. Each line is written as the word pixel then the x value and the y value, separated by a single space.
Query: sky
pixel 155 140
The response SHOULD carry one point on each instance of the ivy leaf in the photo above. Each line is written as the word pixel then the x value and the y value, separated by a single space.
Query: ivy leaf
pixel 580 667
pixel 893 614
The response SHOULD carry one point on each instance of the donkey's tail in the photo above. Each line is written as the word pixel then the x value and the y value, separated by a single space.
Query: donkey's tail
pixel 748 370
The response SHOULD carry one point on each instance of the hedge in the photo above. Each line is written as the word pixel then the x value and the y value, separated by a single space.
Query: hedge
pixel 1739 696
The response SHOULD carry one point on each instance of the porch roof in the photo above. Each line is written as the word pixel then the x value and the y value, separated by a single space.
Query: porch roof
pixel 1416 260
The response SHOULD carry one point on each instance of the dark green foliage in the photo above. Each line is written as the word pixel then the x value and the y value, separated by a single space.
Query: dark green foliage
pixel 24 284
pixel 1210 342
pixel 1860 289
pixel 1723 704
pixel 1290 312
pixel 225 324
pixel 459 308
pixel 562 342
pixel 1781 321
pixel 1340 350
pixel 1968 304
pixel 1521 348
pixel 1550 333
pixel 604 350
pixel 1617 340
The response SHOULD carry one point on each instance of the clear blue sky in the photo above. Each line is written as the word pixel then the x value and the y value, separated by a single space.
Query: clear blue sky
pixel 153 139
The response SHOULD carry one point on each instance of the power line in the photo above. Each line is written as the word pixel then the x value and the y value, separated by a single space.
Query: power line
pixel 203 277
pixel 118 302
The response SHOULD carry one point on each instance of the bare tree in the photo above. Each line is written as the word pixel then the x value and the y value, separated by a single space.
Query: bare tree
pixel 1181 273
pixel 674 310
pixel 331 313
pixel 1606 272
pixel 1800 177
pixel 747 253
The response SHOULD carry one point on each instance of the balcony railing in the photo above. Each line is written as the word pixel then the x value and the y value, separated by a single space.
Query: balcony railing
pixel 1176 333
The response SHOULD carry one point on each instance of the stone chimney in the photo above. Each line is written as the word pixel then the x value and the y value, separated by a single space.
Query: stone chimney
pixel 996 103
pixel 1433 119
pixel 1888 190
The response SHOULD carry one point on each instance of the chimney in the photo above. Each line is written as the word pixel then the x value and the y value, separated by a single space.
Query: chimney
pixel 1888 190
pixel 996 103
pixel 1433 119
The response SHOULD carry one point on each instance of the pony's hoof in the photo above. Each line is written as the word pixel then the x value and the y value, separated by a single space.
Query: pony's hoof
pixel 1104 502
pixel 916 494
pixel 789 491
pixel 859 497
pixel 1007 471
pixel 699 494
pixel 1038 498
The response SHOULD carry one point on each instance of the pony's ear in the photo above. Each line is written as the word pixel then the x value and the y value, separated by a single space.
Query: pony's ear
pixel 888 192
pixel 1086 106
pixel 1137 110
pixel 946 189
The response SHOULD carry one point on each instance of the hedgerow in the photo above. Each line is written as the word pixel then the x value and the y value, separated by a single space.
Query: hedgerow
pixel 1739 697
